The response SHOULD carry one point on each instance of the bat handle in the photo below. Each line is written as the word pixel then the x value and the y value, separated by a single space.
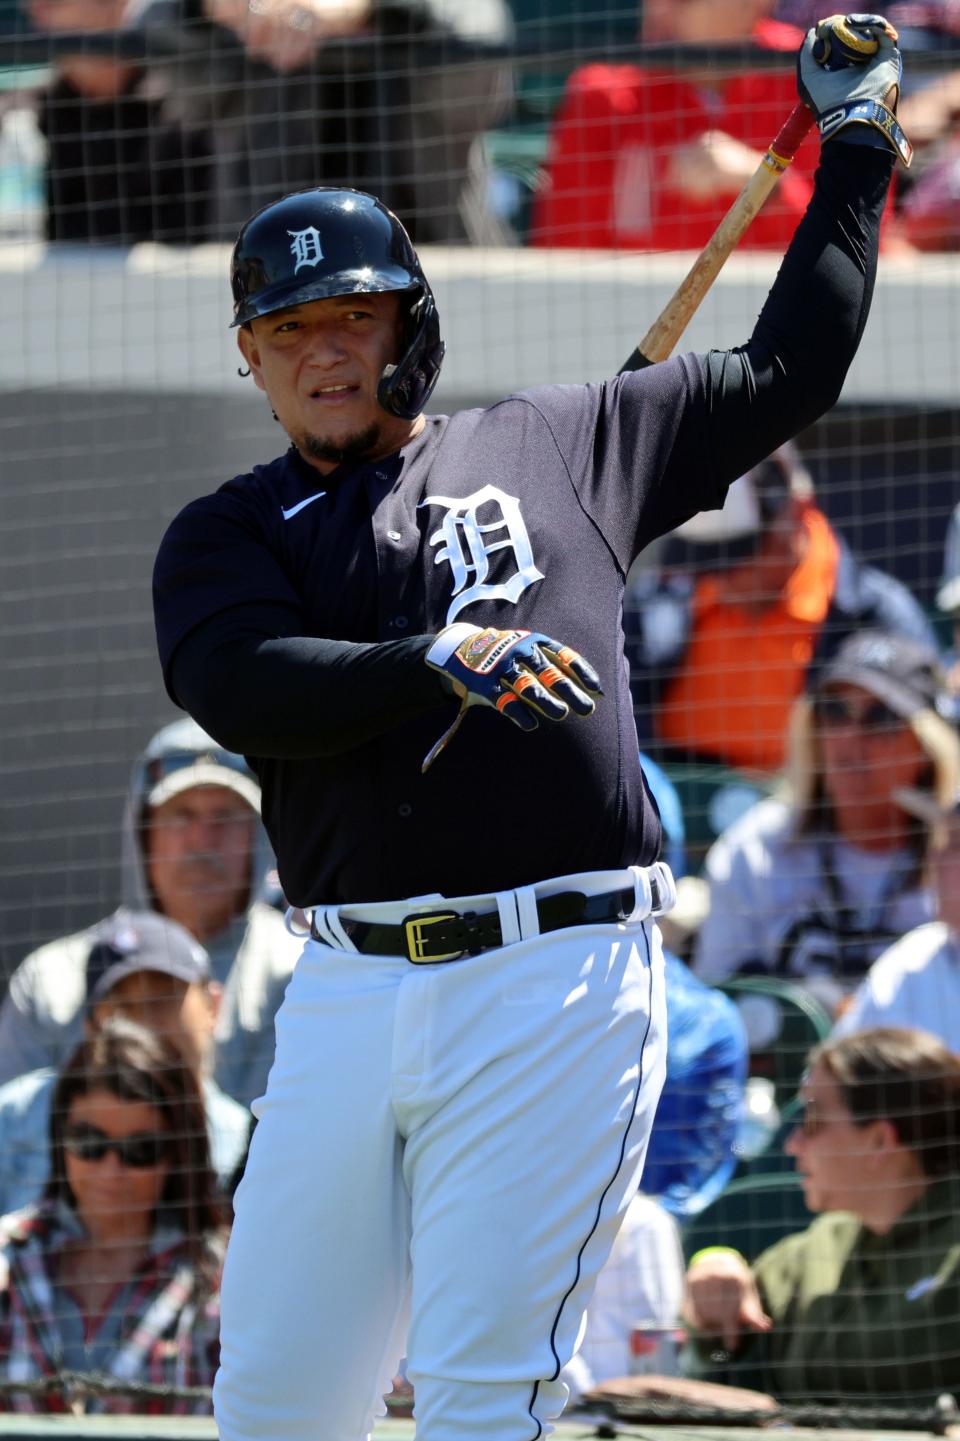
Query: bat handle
pixel 790 136
pixel 674 318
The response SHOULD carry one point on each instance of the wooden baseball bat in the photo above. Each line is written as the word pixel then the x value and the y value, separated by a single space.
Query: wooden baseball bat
pixel 672 321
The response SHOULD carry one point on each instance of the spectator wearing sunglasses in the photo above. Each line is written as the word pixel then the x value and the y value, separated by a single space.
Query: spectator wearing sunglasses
pixel 193 850
pixel 866 1301
pixel 116 1270
pixel 151 971
pixel 744 606
pixel 815 884
pixel 917 981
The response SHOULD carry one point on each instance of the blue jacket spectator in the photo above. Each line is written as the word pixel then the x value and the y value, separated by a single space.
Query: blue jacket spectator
pixel 691 1154
pixel 664 792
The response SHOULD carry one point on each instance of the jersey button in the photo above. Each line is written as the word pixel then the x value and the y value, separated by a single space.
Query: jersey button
pixel 393 535
pixel 405 810
pixel 401 622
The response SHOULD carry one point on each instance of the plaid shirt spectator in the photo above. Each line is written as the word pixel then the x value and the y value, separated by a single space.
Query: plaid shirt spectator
pixel 164 1322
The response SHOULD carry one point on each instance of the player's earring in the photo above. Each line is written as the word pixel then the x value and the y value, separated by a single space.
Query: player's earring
pixel 242 373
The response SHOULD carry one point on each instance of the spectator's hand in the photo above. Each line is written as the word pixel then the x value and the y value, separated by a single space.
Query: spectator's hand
pixel 288 33
pixel 722 1299
pixel 77 15
pixel 713 164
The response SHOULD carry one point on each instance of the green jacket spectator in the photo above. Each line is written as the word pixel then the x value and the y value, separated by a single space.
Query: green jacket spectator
pixel 858 1312
pixel 865 1303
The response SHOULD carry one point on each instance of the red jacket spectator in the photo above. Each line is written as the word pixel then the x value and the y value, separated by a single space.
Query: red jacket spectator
pixel 613 171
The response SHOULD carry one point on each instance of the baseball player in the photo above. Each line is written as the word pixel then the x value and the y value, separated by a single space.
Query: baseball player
pixel 411 626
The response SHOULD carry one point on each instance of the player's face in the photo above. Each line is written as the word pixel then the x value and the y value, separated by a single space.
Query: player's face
pixel 832 1154
pixel 320 365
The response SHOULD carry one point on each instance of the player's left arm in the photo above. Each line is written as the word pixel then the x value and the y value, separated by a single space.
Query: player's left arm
pixel 731 408
pixel 792 369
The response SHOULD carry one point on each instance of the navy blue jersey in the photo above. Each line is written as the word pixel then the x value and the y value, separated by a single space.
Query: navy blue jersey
pixel 526 514
pixel 294 609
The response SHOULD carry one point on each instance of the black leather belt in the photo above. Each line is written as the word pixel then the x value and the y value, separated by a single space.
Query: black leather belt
pixel 431 936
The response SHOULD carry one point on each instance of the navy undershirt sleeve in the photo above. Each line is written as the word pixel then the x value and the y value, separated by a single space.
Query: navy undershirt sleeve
pixel 293 697
pixel 288 696
pixel 793 367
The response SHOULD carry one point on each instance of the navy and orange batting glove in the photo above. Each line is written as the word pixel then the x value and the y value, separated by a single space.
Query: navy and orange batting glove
pixel 521 673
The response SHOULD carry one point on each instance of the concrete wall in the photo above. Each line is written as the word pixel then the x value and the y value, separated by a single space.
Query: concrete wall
pixel 119 401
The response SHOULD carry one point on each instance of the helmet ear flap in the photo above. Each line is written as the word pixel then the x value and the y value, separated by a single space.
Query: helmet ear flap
pixel 405 388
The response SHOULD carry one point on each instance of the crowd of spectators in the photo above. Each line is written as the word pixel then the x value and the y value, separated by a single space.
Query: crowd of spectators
pixel 172 120
pixel 132 1051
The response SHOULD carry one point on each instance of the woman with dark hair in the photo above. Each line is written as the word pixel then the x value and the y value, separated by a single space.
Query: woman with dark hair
pixel 866 1301
pixel 116 1270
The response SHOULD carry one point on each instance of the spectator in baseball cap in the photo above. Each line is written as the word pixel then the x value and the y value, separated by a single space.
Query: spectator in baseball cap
pixel 149 970
pixel 816 883
pixel 745 605
pixel 193 850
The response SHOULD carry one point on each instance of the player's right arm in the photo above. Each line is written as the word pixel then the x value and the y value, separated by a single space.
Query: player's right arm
pixel 250 673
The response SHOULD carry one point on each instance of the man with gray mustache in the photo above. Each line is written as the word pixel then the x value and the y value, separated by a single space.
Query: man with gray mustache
pixel 194 850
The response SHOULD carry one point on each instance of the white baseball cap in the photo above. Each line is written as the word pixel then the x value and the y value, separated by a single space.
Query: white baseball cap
pixel 176 772
pixel 740 516
pixel 713 540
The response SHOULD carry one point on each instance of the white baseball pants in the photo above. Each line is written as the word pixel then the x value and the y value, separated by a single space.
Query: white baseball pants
pixel 443 1157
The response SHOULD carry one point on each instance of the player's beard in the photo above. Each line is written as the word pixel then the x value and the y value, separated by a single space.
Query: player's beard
pixel 359 446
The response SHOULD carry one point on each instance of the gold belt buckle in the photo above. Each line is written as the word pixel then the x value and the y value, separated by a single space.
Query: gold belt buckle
pixel 414 927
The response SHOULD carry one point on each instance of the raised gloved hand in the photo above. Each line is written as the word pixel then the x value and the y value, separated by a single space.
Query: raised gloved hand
pixel 848 73
pixel 521 673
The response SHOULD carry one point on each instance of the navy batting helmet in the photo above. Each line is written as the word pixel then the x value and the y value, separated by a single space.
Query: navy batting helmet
pixel 318 243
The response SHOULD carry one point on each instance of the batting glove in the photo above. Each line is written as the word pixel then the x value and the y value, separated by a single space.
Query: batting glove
pixel 848 74
pixel 521 673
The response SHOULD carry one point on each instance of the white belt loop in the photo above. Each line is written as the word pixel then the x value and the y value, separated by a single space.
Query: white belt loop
pixel 288 921
pixel 331 914
pixel 666 888
pixel 509 917
pixel 529 917
pixel 642 893
pixel 326 919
